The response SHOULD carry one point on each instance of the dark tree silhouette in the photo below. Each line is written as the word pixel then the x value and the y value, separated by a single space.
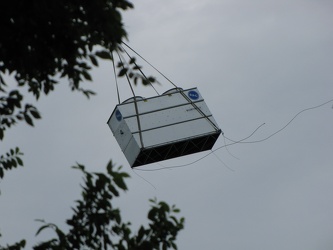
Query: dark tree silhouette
pixel 42 42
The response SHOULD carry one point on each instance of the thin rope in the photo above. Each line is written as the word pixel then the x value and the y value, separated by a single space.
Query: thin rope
pixel 278 131
pixel 135 103
pixel 201 158
pixel 242 140
pixel 143 74
pixel 115 76
pixel 222 161
pixel 182 93
pixel 227 148
pixel 129 83
pixel 151 65
pixel 144 179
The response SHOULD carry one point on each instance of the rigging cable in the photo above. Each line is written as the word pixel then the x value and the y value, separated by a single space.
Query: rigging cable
pixel 115 76
pixel 222 161
pixel 227 147
pixel 181 92
pixel 135 103
pixel 140 70
pixel 278 131
pixel 151 184
pixel 242 140
pixel 150 65
pixel 201 158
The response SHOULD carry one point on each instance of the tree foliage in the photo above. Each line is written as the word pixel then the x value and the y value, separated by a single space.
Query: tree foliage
pixel 43 39
pixel 43 43
pixel 95 219
pixel 10 160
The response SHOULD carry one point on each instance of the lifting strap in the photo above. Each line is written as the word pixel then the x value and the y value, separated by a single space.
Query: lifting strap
pixel 135 104
pixel 135 101
pixel 181 91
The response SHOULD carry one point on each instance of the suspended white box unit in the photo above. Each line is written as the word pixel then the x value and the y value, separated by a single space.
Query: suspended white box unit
pixel 170 125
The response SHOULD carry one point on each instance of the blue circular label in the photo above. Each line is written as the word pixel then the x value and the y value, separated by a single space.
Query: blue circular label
pixel 118 115
pixel 193 95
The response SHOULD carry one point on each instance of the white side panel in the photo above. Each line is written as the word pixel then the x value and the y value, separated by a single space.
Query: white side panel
pixel 115 120
pixel 166 117
pixel 175 133
pixel 156 103
pixel 132 151
pixel 123 135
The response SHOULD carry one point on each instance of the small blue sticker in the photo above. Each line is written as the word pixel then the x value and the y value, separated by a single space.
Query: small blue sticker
pixel 118 115
pixel 193 95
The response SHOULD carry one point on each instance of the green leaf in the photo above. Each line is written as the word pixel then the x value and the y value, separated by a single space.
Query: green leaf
pixel 144 81
pixel 164 206
pixel 153 200
pixel 86 75
pixel 60 233
pixel 109 167
pixel 42 228
pixel 120 183
pixel 35 113
pixel 122 72
pixel 135 80
pixel 124 175
pixel 14 163
pixel 174 219
pixel 141 233
pixel 132 60
pixel 117 216
pixel 93 60
pixel 151 79
pixel 79 167
pixel 88 93
pixel 28 119
pixel 152 213
pixel 19 161
pixel 103 54
pixel 113 190
pixel 22 243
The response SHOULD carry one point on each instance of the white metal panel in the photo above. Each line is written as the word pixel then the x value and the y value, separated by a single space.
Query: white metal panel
pixel 123 135
pixel 115 120
pixel 132 150
pixel 175 132
pixel 156 103
pixel 166 117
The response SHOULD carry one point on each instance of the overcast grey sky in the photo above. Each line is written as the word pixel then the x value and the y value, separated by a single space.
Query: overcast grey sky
pixel 254 62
